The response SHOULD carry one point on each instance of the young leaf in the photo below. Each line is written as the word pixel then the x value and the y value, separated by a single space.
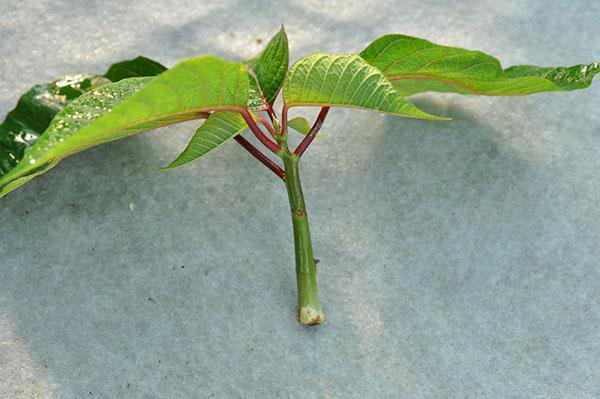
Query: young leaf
pixel 220 127
pixel 416 65
pixel 36 108
pixel 131 106
pixel 301 125
pixel 344 81
pixel 269 71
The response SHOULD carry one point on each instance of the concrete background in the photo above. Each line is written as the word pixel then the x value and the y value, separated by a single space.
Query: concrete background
pixel 458 260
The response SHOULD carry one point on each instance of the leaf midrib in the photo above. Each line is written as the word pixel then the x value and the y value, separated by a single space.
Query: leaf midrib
pixel 452 82
pixel 194 114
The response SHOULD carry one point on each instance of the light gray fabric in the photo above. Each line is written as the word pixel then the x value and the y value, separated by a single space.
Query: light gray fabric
pixel 457 259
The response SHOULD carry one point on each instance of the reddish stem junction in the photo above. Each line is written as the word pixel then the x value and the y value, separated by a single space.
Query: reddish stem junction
pixel 278 134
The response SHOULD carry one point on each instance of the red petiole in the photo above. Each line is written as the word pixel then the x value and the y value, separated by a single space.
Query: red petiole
pixel 312 132
pixel 260 156
pixel 274 147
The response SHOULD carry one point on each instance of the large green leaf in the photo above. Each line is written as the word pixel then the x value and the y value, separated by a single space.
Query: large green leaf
pixel 133 105
pixel 344 81
pixel 219 128
pixel 36 108
pixel 268 71
pixel 416 65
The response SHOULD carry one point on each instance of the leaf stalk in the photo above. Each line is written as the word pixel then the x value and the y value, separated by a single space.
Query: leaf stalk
pixel 310 136
pixel 256 153
pixel 273 147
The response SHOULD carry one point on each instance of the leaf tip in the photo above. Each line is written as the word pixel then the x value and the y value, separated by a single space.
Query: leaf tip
pixel 163 169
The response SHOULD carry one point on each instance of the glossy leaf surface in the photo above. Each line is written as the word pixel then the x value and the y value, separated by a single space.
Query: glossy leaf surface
pixel 36 108
pixel 33 113
pixel 345 81
pixel 417 65
pixel 219 128
pixel 130 106
pixel 54 144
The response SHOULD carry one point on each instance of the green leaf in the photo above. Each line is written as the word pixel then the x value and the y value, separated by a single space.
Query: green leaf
pixel 268 71
pixel 219 128
pixel 36 108
pixel 344 81
pixel 137 67
pixel 117 110
pixel 416 65
pixel 301 125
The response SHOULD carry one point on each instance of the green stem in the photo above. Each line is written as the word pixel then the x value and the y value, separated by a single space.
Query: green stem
pixel 309 308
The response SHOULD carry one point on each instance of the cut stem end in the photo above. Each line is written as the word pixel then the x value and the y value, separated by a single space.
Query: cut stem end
pixel 310 316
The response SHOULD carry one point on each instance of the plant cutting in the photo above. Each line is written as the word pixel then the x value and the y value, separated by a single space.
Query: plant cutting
pixel 73 113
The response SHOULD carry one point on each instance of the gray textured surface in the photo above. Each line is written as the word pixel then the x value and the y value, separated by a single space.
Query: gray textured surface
pixel 458 260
